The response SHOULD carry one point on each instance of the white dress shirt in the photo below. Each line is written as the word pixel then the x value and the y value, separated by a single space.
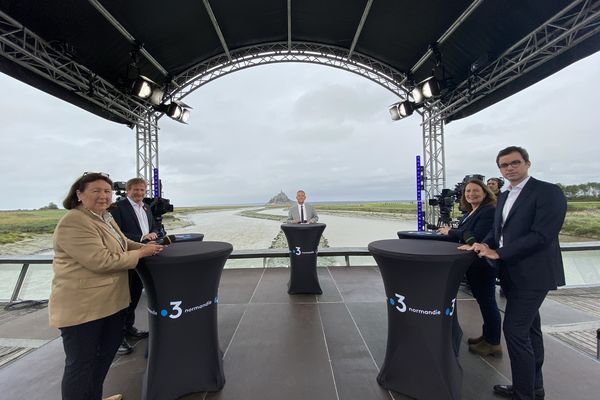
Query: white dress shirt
pixel 141 216
pixel 513 194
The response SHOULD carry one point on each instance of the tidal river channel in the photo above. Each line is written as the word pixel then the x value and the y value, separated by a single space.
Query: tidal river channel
pixel 348 230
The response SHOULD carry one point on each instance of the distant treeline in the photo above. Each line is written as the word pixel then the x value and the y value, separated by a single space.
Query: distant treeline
pixel 583 191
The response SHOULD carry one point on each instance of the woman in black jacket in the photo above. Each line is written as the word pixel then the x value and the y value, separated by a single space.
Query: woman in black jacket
pixel 479 204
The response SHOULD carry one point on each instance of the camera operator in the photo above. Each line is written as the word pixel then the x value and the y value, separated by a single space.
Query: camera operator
pixel 495 184
pixel 137 223
pixel 479 204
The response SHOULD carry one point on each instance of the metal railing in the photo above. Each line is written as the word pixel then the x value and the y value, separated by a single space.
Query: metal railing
pixel 263 254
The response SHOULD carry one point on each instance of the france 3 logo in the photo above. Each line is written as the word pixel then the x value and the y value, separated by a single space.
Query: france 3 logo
pixel 176 309
pixel 398 301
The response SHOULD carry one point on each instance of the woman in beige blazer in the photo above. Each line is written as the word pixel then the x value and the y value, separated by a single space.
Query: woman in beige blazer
pixel 90 285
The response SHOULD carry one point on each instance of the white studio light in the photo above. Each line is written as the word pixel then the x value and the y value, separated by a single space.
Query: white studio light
pixel 185 116
pixel 394 113
pixel 157 96
pixel 142 88
pixel 430 87
pixel 405 108
pixel 417 95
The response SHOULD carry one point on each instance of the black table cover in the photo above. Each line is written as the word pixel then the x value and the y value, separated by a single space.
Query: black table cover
pixel 424 235
pixel 182 287
pixel 421 280
pixel 303 242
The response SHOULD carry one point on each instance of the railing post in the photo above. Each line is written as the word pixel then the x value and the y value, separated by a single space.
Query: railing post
pixel 598 344
pixel 19 283
pixel 347 258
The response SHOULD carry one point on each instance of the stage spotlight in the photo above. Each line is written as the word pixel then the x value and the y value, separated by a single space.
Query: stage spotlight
pixel 177 110
pixel 430 87
pixel 417 95
pixel 147 89
pixel 394 112
pixel 405 108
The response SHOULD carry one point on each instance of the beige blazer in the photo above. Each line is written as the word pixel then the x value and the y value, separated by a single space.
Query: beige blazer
pixel 90 269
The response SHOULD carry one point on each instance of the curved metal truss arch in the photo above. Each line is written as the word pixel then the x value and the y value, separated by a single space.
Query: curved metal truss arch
pixel 280 52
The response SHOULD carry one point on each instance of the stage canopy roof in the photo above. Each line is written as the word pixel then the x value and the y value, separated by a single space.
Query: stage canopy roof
pixel 475 40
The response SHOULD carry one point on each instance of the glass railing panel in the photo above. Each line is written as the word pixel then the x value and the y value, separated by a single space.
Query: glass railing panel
pixel 37 283
pixel 582 268
pixel 9 274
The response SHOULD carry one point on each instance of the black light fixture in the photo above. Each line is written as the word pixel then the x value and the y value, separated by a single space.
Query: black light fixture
pixel 405 108
pixel 177 110
pixel 430 87
pixel 427 89
pixel 146 89
pixel 394 113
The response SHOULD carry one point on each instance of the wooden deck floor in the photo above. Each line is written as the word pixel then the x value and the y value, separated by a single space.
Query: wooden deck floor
pixel 327 347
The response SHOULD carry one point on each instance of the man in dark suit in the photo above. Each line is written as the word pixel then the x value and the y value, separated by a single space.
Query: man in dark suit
pixel 135 220
pixel 524 242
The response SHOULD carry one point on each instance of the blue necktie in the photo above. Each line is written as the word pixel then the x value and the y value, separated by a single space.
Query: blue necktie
pixel 302 213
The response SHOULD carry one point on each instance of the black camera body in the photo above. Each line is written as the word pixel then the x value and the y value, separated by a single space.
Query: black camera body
pixel 159 206
pixel 120 189
pixel 446 199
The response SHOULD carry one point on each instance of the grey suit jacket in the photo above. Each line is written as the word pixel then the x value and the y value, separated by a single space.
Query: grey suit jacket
pixel 310 214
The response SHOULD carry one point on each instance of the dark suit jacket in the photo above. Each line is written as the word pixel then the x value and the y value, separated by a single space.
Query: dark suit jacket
pixel 530 257
pixel 479 224
pixel 123 213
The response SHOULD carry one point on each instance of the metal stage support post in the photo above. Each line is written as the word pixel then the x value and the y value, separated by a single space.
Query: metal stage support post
pixel 147 149
pixel 433 159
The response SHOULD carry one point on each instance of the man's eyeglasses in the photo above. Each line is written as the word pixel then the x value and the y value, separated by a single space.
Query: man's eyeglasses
pixel 104 174
pixel 513 164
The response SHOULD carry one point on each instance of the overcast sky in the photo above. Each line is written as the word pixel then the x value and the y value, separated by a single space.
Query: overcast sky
pixel 289 126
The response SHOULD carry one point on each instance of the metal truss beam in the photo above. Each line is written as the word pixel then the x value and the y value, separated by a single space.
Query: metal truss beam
pixel 434 160
pixel 26 49
pixel 218 31
pixel 289 23
pixel 280 52
pixel 565 30
pixel 147 149
pixel 359 29
pixel 447 34
pixel 117 25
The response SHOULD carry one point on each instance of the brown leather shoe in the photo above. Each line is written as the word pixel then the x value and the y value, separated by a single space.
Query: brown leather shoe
pixel 475 340
pixel 484 348
pixel 508 391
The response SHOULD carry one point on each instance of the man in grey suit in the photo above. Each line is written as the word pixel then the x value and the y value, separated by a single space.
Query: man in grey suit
pixel 302 213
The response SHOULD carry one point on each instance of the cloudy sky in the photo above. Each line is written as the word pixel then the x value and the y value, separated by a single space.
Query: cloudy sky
pixel 289 126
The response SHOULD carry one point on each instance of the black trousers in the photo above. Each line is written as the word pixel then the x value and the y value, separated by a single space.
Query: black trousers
pixel 524 341
pixel 135 291
pixel 482 280
pixel 90 349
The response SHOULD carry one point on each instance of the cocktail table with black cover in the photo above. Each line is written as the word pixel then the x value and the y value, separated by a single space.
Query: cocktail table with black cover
pixel 421 280
pixel 182 288
pixel 303 242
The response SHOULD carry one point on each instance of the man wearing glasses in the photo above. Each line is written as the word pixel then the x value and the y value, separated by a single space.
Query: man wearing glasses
pixel 524 242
